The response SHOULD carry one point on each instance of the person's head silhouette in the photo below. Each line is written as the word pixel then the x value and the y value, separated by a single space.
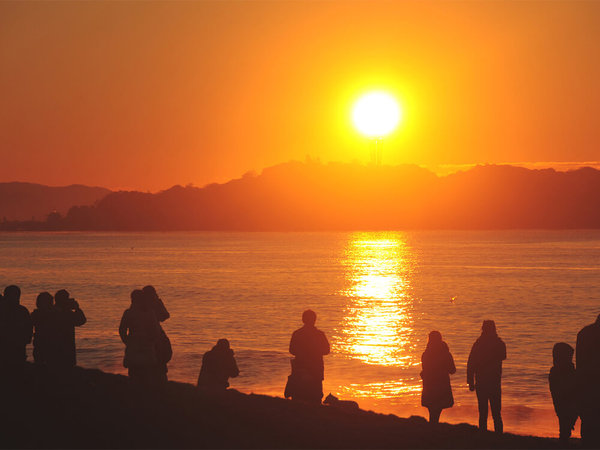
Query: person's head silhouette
pixel 435 339
pixel 222 344
pixel 12 294
pixel 562 354
pixel 488 328
pixel 309 317
pixel 44 300
pixel 150 291
pixel 138 300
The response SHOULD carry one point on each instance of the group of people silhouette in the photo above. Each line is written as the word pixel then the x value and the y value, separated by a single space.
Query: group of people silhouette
pixel 575 389
pixel 484 374
pixel 147 346
pixel 51 325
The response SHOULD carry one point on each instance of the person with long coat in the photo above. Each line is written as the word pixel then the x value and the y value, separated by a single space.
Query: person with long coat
pixel 438 364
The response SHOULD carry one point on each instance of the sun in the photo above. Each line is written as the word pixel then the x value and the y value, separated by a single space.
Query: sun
pixel 376 114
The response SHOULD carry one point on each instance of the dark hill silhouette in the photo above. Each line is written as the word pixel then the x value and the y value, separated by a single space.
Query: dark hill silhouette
pixel 336 196
pixel 27 201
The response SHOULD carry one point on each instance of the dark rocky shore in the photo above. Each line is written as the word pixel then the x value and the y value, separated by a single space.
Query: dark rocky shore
pixel 94 409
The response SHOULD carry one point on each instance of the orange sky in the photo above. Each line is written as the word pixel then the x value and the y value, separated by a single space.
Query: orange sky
pixel 145 95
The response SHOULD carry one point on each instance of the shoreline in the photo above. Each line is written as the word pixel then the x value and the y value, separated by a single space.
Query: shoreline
pixel 94 409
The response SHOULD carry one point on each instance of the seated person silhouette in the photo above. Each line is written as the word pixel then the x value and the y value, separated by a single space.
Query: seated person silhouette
pixel 563 387
pixel 218 365
pixel 308 345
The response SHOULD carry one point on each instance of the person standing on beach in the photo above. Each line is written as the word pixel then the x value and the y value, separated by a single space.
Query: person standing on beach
pixel 587 360
pixel 44 323
pixel 484 374
pixel 438 365
pixel 563 387
pixel 308 345
pixel 164 350
pixel 16 331
pixel 140 332
pixel 68 315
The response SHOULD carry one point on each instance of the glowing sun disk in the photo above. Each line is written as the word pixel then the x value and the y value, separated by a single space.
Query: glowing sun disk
pixel 376 114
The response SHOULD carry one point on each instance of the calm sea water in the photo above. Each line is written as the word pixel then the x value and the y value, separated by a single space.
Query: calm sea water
pixel 377 295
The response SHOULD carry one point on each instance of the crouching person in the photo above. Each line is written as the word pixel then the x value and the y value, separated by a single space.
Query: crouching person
pixel 218 365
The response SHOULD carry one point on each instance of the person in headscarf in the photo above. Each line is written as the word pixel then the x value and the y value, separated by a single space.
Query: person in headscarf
pixel 563 387
pixel 438 364
pixel 218 365
pixel 484 374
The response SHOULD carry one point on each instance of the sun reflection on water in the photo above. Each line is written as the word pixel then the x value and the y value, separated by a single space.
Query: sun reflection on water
pixel 377 324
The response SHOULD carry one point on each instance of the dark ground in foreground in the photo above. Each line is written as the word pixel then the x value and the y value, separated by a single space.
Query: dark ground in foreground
pixel 101 410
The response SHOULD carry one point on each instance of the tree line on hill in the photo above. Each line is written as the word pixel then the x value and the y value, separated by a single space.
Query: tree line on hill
pixel 299 196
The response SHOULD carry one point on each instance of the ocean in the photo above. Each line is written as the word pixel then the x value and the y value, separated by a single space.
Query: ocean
pixel 377 296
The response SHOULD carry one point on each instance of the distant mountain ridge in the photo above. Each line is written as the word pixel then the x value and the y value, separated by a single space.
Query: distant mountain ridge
pixel 27 201
pixel 299 196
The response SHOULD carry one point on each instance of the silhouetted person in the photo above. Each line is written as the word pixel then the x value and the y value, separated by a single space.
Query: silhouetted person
pixel 438 365
pixel 563 387
pixel 308 345
pixel 484 374
pixel 164 351
pixel 68 315
pixel 15 332
pixel 587 360
pixel 140 332
pixel 44 324
pixel 218 365
pixel 157 304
